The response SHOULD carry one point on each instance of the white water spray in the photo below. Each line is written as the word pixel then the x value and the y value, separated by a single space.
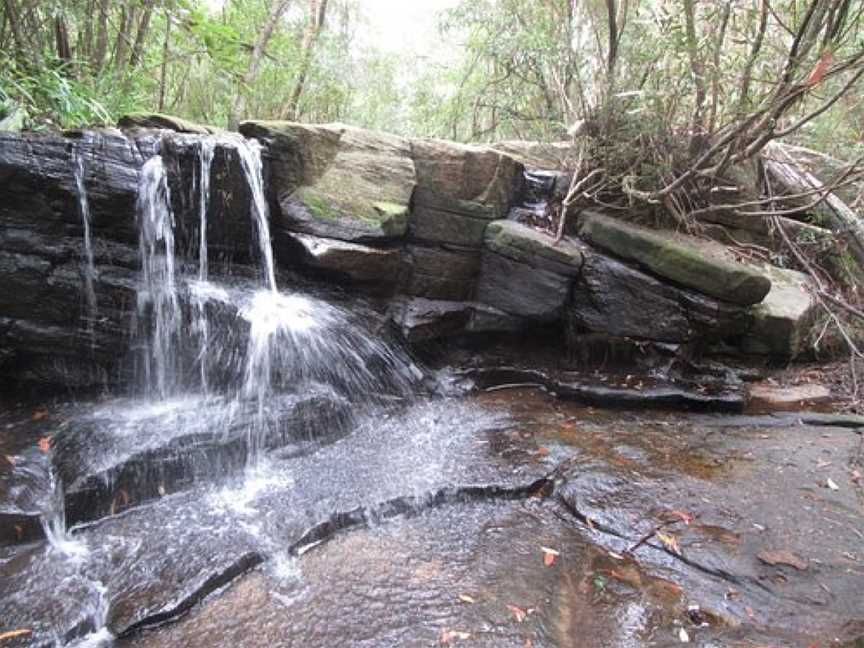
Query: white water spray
pixel 158 291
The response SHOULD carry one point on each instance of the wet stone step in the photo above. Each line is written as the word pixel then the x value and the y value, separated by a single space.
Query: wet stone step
pixel 122 457
pixel 620 392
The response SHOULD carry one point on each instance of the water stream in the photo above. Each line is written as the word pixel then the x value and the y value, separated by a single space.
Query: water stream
pixel 89 265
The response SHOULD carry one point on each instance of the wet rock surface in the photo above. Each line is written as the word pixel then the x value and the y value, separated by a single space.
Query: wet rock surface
pixel 516 517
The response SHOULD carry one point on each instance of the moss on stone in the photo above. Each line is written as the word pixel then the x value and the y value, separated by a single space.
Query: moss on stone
pixel 671 259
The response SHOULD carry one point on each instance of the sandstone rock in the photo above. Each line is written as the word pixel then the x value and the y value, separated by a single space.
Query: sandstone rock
pixel 676 258
pixel 360 263
pixel 338 181
pixel 537 155
pixel 437 218
pixel 782 322
pixel 422 320
pixel 442 273
pixel 466 172
pixel 524 244
pixel 766 397
pixel 614 298
pixel 521 290
pixel 166 122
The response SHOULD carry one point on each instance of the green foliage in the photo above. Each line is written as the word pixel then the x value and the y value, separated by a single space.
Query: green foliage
pixel 51 95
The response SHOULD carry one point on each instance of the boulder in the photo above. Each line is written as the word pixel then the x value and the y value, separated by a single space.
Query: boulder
pixel 360 263
pixel 164 122
pixel 440 219
pixel 442 273
pixel 337 181
pixel 423 320
pixel 520 289
pixel 467 172
pixel 537 155
pixel 781 324
pixel 766 397
pixel 460 189
pixel 617 299
pixel 683 260
pixel 527 245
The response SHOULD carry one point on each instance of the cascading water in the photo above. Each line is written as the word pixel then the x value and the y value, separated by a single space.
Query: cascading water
pixel 90 266
pixel 201 291
pixel 157 295
pixel 252 164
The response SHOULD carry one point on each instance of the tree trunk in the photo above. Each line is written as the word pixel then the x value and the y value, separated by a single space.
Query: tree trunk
pixel 317 14
pixel 163 73
pixel 238 106
pixel 98 58
pixel 15 27
pixel 141 36
pixel 61 37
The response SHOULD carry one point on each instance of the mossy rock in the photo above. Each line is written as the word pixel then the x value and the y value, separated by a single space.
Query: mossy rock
pixel 164 122
pixel 527 245
pixel 781 324
pixel 344 217
pixel 337 181
pixel 684 262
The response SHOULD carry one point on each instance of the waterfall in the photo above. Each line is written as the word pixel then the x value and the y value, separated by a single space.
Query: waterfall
pixel 53 520
pixel 157 296
pixel 202 325
pixel 90 266
pixel 250 160
pixel 205 162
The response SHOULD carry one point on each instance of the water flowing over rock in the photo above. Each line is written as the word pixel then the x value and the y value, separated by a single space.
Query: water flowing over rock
pixel 252 308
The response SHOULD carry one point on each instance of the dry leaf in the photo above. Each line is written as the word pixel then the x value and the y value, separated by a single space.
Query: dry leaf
pixel 549 556
pixel 518 613
pixel 831 484
pixel 465 598
pixel 685 516
pixel 542 452
pixel 39 415
pixel 10 459
pixel 449 636
pixel 669 541
pixel 683 637
pixel 614 555
pixel 12 634
pixel 856 476
pixel 820 68
pixel 782 557
pixel 44 444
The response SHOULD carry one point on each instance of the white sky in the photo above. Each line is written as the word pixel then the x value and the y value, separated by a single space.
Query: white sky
pixel 404 25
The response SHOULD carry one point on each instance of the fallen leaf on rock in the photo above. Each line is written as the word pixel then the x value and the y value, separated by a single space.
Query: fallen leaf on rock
pixel 542 452
pixel 449 636
pixel 782 557
pixel 830 484
pixel 44 444
pixel 669 541
pixel 12 634
pixel 549 556
pixel 856 476
pixel 465 598
pixel 683 637
pixel 39 415
pixel 9 459
pixel 685 516
pixel 518 613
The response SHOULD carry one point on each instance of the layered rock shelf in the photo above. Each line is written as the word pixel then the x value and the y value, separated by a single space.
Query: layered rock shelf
pixel 430 228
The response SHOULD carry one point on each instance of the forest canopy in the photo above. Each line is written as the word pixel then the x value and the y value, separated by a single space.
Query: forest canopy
pixel 493 70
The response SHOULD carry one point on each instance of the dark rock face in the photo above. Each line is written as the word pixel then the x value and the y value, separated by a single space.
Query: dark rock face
pixel 419 222
pixel 619 300
pixel 44 333
pixel 521 290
